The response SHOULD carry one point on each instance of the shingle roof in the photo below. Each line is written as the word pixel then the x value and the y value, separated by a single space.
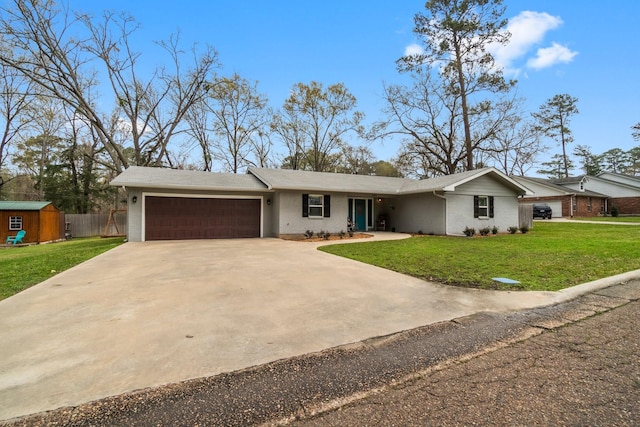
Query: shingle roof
pixel 621 175
pixel 263 179
pixel 568 180
pixel 545 182
pixel 137 176
pixel 450 182
pixel 286 179
pixel 22 206
pixel 555 185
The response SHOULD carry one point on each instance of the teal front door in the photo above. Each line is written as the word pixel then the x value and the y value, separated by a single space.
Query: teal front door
pixel 360 214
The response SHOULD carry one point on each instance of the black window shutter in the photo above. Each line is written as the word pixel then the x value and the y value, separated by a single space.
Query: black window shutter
pixel 476 207
pixel 305 205
pixel 490 206
pixel 327 206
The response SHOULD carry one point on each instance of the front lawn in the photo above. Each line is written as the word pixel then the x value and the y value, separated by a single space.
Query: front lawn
pixel 550 257
pixel 22 267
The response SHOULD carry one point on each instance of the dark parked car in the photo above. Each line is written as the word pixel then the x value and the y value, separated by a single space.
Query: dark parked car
pixel 542 211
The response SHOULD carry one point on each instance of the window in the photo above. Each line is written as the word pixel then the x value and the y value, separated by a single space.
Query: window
pixel 316 205
pixel 588 204
pixel 483 206
pixel 15 223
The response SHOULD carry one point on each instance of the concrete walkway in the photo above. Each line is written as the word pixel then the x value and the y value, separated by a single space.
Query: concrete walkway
pixel 152 313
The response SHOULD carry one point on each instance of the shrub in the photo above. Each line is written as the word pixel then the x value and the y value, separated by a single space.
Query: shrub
pixel 495 229
pixel 327 235
pixel 513 230
pixel 341 234
pixel 484 231
pixel 308 234
pixel 469 231
pixel 614 211
pixel 350 233
pixel 524 229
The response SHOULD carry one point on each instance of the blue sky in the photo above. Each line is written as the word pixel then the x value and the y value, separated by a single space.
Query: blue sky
pixel 588 49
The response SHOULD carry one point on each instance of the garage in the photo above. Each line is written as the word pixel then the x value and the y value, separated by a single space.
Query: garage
pixel 556 208
pixel 181 218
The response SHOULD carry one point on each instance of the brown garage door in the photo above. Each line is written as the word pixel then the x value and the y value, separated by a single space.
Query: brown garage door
pixel 178 218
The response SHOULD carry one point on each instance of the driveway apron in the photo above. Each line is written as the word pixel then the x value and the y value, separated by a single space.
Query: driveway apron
pixel 152 313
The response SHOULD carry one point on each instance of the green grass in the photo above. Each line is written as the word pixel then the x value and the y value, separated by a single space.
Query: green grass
pixel 22 267
pixel 550 257
pixel 610 218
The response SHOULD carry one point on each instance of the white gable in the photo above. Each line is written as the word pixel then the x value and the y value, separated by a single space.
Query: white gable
pixel 633 181
pixel 610 188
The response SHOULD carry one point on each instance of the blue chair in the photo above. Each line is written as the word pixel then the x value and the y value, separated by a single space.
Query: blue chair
pixel 17 238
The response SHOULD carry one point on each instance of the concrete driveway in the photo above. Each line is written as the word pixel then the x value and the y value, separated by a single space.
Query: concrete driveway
pixel 152 313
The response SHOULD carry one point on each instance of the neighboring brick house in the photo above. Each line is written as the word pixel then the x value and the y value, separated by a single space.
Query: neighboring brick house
pixel 624 198
pixel 623 191
pixel 564 202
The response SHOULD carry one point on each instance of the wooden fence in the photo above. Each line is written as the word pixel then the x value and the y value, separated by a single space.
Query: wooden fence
pixel 525 213
pixel 90 225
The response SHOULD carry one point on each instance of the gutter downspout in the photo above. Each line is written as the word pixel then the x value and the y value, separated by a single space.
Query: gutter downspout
pixel 444 209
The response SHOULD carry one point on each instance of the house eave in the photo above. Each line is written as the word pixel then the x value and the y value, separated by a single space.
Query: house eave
pixel 167 186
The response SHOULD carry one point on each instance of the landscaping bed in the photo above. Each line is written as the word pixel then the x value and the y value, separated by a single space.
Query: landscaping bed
pixel 333 237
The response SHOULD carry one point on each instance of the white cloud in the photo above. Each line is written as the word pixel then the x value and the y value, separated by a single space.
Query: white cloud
pixel 548 56
pixel 527 29
pixel 413 49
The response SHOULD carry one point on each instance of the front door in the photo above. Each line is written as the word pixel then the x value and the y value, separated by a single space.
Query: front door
pixel 360 214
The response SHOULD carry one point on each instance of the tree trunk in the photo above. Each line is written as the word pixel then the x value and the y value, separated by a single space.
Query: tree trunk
pixel 465 108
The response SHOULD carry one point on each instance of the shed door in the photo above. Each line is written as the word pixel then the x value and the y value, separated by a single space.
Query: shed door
pixel 179 218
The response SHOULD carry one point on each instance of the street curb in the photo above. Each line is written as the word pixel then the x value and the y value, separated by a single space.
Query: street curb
pixel 578 290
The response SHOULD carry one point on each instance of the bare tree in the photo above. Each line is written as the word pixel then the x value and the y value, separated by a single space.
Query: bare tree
pixel 456 35
pixel 516 143
pixel 35 153
pixel 356 160
pixel 315 122
pixel 290 128
pixel 239 118
pixel 15 99
pixel 197 119
pixel 262 146
pixel 59 52
pixel 429 116
pixel 517 148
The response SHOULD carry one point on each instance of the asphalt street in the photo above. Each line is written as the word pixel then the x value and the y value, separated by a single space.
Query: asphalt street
pixel 572 363
pixel 584 374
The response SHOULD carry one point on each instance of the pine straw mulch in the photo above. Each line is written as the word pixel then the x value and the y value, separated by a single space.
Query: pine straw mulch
pixel 336 236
